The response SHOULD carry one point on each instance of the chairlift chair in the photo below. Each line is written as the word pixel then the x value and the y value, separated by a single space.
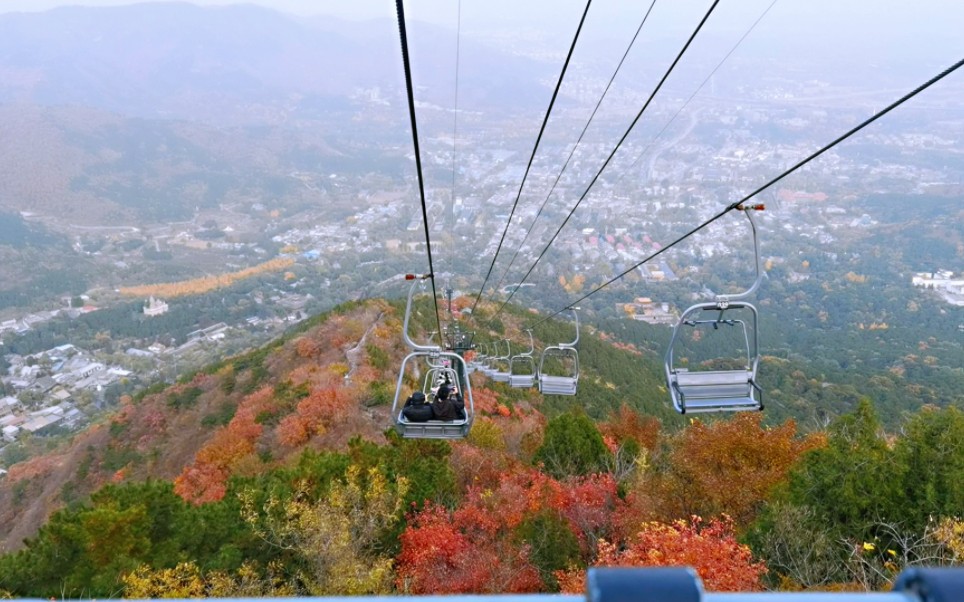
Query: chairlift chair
pixel 560 384
pixel 501 365
pixel 437 362
pixel 486 361
pixel 522 368
pixel 720 390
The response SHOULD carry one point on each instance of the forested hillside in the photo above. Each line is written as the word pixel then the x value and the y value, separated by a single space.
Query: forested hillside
pixel 275 473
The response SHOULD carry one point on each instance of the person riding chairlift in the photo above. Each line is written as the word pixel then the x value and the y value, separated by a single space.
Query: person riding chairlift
pixel 416 409
pixel 444 408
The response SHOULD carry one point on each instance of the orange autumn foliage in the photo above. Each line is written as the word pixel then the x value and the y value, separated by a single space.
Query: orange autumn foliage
pixel 206 479
pixel 197 286
pixel 307 348
pixel 708 460
pixel 474 466
pixel 315 414
pixel 628 424
pixel 711 548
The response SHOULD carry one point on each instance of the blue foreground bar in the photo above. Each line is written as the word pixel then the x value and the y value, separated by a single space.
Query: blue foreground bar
pixel 683 585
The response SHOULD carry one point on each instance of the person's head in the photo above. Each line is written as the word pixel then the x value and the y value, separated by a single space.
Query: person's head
pixel 443 393
pixel 418 397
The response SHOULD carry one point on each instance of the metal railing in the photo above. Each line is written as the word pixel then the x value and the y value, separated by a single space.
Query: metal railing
pixel 683 585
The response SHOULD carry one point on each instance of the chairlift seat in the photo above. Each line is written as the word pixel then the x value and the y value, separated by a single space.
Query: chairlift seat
pixel 522 381
pixel 433 429
pixel 499 376
pixel 557 385
pixel 715 390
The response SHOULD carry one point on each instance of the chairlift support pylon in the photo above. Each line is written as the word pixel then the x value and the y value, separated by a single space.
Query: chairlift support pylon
pixel 720 390
pixel 434 358
pixel 564 384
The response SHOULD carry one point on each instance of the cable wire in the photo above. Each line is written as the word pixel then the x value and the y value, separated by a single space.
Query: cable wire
pixel 455 112
pixel 403 37
pixel 695 92
pixel 545 121
pixel 615 149
pixel 455 127
pixel 576 145
pixel 738 204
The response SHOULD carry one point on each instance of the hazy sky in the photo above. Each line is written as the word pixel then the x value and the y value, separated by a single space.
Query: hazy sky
pixel 922 16
pixel 919 36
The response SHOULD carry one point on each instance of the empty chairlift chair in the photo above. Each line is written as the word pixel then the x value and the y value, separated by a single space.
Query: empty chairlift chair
pixel 563 358
pixel 485 361
pixel 501 365
pixel 522 368
pixel 436 364
pixel 721 390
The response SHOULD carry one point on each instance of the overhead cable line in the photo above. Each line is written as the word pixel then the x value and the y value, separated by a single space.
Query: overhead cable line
pixel 403 36
pixel 697 91
pixel 455 124
pixel 576 145
pixel 455 112
pixel 615 149
pixel 738 204
pixel 545 120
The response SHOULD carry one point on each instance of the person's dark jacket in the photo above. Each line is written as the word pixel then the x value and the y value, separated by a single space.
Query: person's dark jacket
pixel 442 407
pixel 416 410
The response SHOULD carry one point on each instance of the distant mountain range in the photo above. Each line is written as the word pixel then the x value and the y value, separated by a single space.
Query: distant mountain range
pixel 238 63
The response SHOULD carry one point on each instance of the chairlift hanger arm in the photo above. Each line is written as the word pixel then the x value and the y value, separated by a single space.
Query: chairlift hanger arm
pixel 416 281
pixel 724 300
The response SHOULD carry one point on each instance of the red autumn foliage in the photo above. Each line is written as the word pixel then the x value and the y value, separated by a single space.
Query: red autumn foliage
pixel 486 400
pixel 711 548
pixel 590 504
pixel 474 549
pixel 439 557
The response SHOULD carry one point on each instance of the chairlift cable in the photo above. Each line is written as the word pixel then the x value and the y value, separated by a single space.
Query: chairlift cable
pixel 738 204
pixel 545 121
pixel 455 112
pixel 706 80
pixel 695 92
pixel 615 149
pixel 576 145
pixel 403 37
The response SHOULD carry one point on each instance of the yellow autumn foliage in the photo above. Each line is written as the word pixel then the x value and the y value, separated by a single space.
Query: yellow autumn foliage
pixel 197 286
pixel 950 532
pixel 337 535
